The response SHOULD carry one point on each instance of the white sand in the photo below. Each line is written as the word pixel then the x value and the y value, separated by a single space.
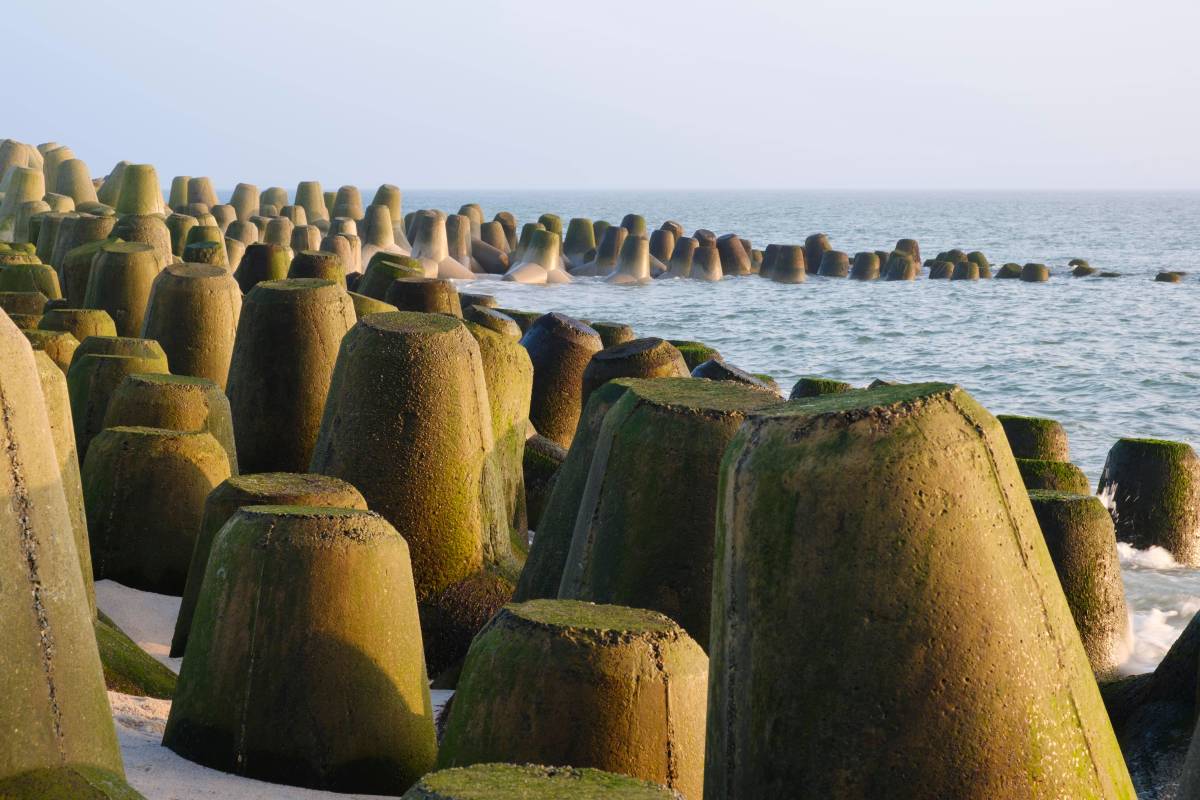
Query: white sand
pixel 155 771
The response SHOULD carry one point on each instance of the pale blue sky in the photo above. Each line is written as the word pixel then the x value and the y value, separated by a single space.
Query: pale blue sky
pixel 919 94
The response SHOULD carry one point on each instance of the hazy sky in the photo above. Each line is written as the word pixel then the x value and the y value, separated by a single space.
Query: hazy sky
pixel 911 94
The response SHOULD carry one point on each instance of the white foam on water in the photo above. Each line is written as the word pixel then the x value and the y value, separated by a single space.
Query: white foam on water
pixel 1162 596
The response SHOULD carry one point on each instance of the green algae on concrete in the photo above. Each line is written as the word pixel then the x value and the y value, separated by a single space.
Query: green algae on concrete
pixel 901 267
pixel 640 358
pixel 717 370
pixel 99 365
pixel 811 386
pixel 264 488
pixel 451 618
pixel 426 295
pixel 70 782
pixel 694 353
pixel 174 402
pixel 119 282
pixel 560 348
pixel 79 322
pixel 540 464
pixel 1035 437
pixel 643 535
pixel 298 589
pixel 434 421
pixel 364 305
pixel 548 554
pixel 128 668
pixel 508 375
pixel 193 313
pixel 58 413
pixel 144 490
pixel 59 346
pixel 524 319
pixel 55 712
pixel 280 372
pixel 1059 476
pixel 493 320
pixel 30 278
pixel 532 782
pixel 890 527
pixel 384 268
pixel 1152 489
pixel 26 303
pixel 612 333
pixel 566 682
pixel 261 263
pixel 1083 545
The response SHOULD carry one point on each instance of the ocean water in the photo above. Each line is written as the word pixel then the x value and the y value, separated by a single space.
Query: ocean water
pixel 1106 357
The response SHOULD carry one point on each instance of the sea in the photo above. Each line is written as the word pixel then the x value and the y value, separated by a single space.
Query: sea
pixel 1107 357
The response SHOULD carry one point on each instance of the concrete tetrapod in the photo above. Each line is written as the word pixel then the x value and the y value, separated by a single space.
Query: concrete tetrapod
pixel 643 535
pixel 815 248
pixel 364 305
pixel 426 295
pixel 99 365
pixel 789 265
pixel 834 264
pixel 279 375
pixel 865 266
pixel 58 414
pixel 612 333
pixel 452 617
pixel 148 229
pixel 579 245
pixel 59 346
pixel 540 464
pixel 119 282
pixel 531 782
pixel 508 375
pixel 811 386
pixel 262 262
pixel 706 264
pixel 641 358
pixel 144 490
pixel 263 489
pixel 318 264
pixel 571 683
pixel 961 586
pixel 1083 545
pixel 76 230
pixel 560 348
pixel 694 353
pixel 714 369
pixel 1035 437
pixel 900 267
pixel 174 402
pixel 538 260
pixel 1152 490
pixel 297 588
pixel 605 258
pixel 493 320
pixel 55 712
pixel 555 525
pixel 79 322
pixel 385 268
pixel 193 313
pixel 682 255
pixel 1058 476
pixel 434 421
pixel 633 263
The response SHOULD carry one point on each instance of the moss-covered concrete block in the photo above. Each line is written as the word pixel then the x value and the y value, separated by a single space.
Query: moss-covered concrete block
pixel 565 682
pixel 345 705
pixel 890 527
